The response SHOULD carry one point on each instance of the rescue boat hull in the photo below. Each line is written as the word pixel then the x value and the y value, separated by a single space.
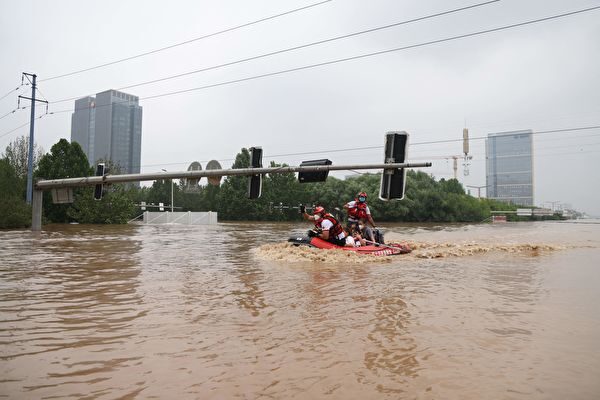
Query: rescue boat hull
pixel 381 250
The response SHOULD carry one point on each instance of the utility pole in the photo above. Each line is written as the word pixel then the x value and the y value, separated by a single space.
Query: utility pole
pixel 31 128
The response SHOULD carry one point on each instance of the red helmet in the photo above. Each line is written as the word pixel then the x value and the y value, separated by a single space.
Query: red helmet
pixel 319 210
pixel 362 194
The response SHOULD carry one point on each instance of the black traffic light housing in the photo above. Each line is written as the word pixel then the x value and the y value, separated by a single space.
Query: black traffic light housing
pixel 255 181
pixel 313 176
pixel 98 188
pixel 393 181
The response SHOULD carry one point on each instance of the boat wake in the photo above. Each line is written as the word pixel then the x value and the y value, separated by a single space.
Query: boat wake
pixel 464 249
pixel 287 252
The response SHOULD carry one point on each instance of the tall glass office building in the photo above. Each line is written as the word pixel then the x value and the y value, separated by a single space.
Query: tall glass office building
pixel 109 127
pixel 509 167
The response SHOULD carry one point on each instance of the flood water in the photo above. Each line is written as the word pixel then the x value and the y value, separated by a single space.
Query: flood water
pixel 506 311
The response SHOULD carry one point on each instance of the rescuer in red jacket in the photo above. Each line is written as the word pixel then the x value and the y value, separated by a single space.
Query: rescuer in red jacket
pixel 326 226
pixel 358 209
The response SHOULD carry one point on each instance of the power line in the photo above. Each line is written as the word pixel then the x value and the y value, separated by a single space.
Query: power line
pixel 534 155
pixel 369 55
pixel 21 126
pixel 360 148
pixel 11 91
pixel 12 130
pixel 423 143
pixel 271 157
pixel 477 160
pixel 15 110
pixel 185 42
pixel 442 13
pixel 305 67
pixel 10 112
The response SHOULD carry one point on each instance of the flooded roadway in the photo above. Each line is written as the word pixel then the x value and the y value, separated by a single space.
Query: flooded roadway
pixel 230 311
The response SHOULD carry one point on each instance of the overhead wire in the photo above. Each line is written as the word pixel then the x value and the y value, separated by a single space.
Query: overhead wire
pixel 11 92
pixel 352 58
pixel 537 155
pixel 184 42
pixel 14 129
pixel 266 156
pixel 373 54
pixel 10 112
pixel 24 125
pixel 294 48
pixel 8 94
pixel 376 53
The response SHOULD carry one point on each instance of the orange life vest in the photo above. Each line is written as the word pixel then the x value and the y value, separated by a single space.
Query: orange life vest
pixel 335 230
pixel 359 211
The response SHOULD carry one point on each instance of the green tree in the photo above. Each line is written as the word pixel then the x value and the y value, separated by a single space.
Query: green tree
pixel 15 213
pixel 17 154
pixel 232 198
pixel 65 160
pixel 115 207
pixel 280 190
pixel 160 192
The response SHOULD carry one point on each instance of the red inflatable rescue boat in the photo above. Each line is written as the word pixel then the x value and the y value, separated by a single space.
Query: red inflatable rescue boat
pixel 380 250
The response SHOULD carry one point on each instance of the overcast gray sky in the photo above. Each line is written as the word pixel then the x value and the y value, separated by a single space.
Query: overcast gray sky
pixel 544 76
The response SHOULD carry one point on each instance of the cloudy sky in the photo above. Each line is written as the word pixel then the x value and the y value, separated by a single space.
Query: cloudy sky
pixel 543 76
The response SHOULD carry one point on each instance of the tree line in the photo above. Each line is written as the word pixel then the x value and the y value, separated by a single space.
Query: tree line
pixel 425 198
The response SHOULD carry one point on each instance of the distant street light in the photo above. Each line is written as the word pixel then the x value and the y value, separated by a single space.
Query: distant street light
pixel 171 190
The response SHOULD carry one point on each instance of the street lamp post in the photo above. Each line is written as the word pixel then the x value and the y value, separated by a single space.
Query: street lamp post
pixel 171 190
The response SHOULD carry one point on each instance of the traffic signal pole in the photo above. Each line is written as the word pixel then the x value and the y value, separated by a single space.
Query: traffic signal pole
pixel 40 186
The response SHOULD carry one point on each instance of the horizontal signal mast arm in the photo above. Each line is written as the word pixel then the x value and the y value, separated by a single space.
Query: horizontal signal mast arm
pixel 106 179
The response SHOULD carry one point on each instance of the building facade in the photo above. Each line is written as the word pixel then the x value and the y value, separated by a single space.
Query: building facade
pixel 509 167
pixel 109 127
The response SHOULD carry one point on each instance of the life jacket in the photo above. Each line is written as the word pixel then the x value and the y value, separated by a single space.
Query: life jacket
pixel 335 230
pixel 359 211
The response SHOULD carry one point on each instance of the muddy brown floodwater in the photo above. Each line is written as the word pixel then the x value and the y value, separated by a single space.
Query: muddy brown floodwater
pixel 231 311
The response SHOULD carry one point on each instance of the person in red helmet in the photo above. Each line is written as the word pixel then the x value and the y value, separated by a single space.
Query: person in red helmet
pixel 358 209
pixel 326 226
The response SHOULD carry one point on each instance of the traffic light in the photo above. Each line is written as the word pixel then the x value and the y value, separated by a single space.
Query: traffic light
pixel 255 181
pixel 393 180
pixel 98 188
pixel 313 176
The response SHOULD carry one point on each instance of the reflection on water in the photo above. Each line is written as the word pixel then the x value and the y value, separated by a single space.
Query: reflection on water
pixel 63 291
pixel 230 311
pixel 395 348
